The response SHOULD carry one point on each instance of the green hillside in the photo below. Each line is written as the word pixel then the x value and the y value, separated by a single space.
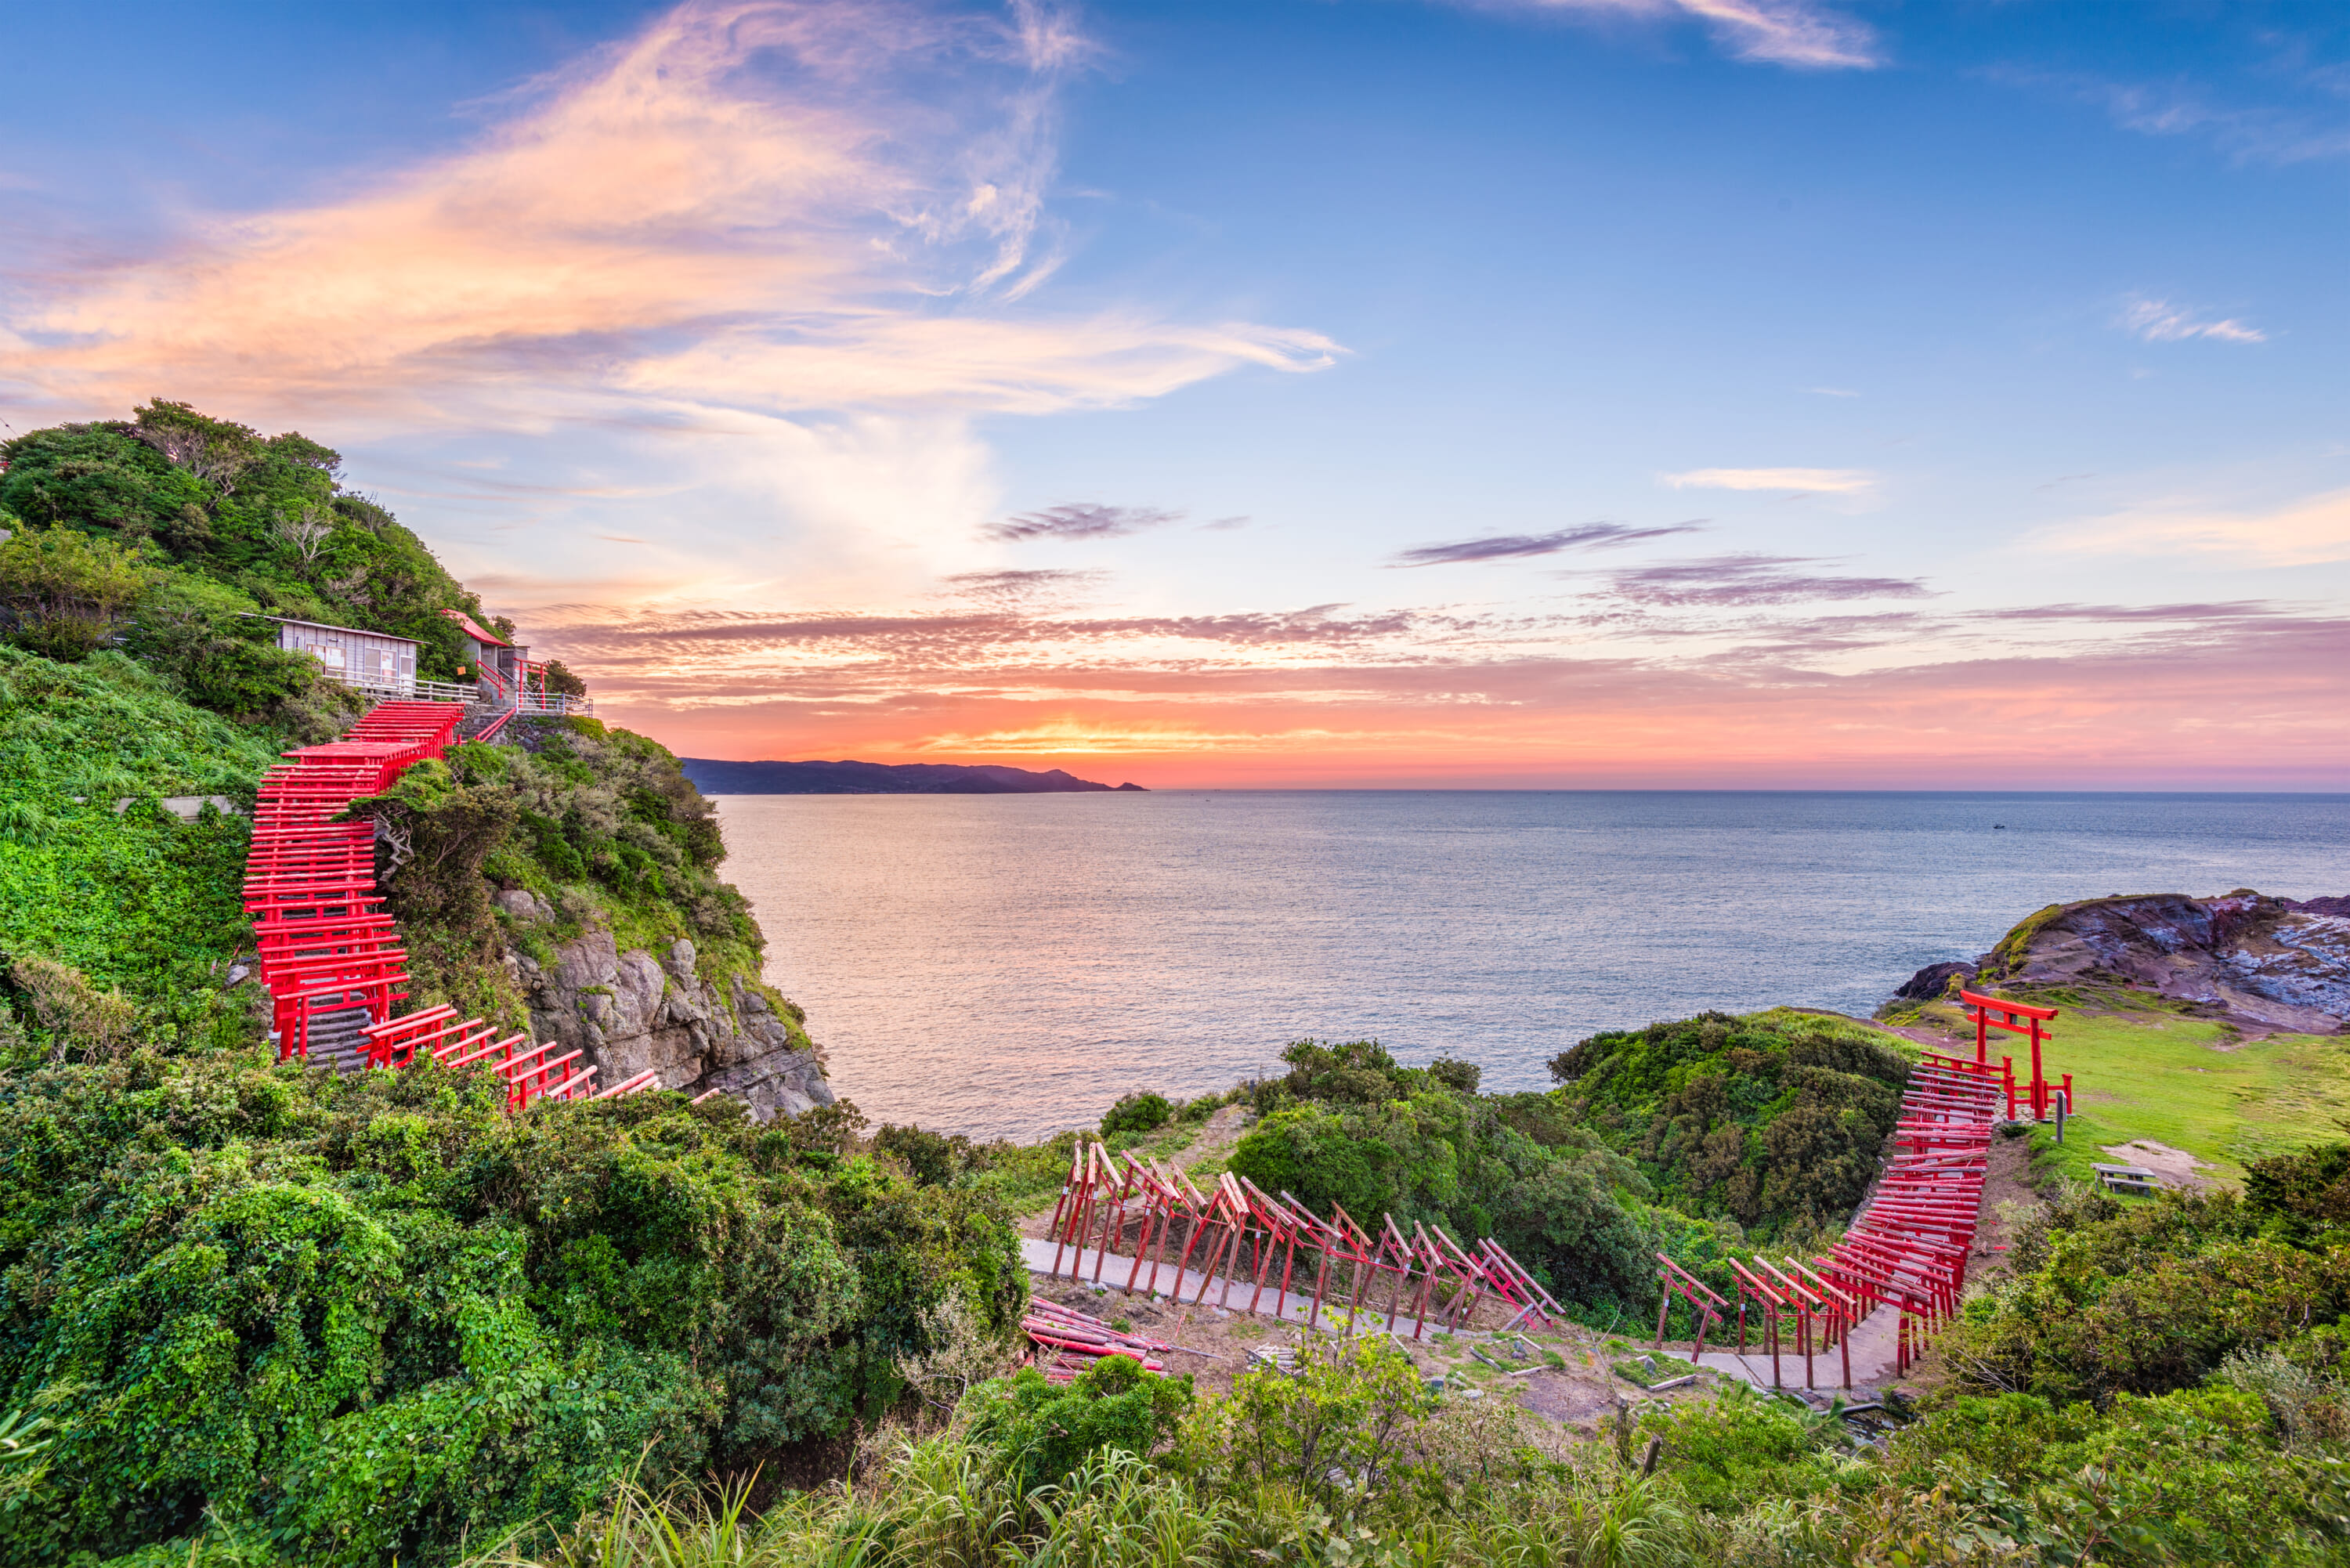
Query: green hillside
pixel 253 1315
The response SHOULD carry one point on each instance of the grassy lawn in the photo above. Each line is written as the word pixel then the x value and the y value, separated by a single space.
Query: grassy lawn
pixel 2197 1085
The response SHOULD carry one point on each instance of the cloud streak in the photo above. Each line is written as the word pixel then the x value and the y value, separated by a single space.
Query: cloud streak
pixel 1833 481
pixel 771 206
pixel 2160 321
pixel 1513 546
pixel 1796 33
pixel 1082 520
pixel 1746 580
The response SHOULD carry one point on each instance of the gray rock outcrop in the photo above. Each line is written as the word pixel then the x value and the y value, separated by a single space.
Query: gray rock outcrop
pixel 633 1011
pixel 2259 962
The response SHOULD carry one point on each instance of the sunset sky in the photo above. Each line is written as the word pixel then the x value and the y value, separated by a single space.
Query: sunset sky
pixel 1292 393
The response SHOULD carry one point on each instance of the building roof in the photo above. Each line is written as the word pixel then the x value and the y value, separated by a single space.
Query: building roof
pixel 474 629
pixel 322 625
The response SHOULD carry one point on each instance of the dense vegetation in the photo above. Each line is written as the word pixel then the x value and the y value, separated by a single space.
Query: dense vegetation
pixel 167 527
pixel 2230 1455
pixel 136 661
pixel 252 1314
pixel 350 1320
pixel 1776 1120
pixel 358 1318
pixel 1349 1127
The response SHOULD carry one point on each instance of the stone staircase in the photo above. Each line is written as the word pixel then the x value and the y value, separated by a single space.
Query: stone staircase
pixel 337 1043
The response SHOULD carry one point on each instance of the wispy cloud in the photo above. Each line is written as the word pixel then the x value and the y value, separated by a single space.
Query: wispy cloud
pixel 2161 321
pixel 1833 391
pixel 1798 33
pixel 1744 580
pixel 1899 698
pixel 1506 547
pixel 1021 589
pixel 1835 480
pixel 1082 520
pixel 2298 533
pixel 2275 133
pixel 751 205
pixel 2228 610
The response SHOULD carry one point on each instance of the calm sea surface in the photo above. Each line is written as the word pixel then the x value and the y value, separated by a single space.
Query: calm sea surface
pixel 1009 964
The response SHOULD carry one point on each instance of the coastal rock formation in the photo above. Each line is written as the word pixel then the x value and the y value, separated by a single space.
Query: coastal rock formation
pixel 713 776
pixel 633 1011
pixel 2259 962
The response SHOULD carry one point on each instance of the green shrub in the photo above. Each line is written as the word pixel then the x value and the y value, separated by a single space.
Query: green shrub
pixel 64 595
pixel 1744 1446
pixel 934 1159
pixel 1038 1433
pixel 2103 1298
pixel 1139 1112
pixel 359 1317
pixel 1330 1430
pixel 1393 1140
pixel 1774 1120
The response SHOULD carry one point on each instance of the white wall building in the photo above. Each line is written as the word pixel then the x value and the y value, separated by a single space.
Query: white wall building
pixel 374 661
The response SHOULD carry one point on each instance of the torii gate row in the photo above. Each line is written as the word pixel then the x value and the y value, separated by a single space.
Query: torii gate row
pixel 1792 1288
pixel 1102 1197
pixel 529 1074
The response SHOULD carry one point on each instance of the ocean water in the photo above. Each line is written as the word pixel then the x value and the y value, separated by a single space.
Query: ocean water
pixel 1007 965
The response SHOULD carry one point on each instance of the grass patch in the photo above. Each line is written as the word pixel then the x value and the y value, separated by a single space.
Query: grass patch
pixel 2152 1072
pixel 1632 1371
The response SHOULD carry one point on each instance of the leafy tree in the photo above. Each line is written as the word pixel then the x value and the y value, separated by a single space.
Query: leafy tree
pixel 62 595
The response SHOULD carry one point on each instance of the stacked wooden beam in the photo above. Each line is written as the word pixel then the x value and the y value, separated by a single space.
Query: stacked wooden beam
pixel 1068 1342
pixel 1236 1233
pixel 327 949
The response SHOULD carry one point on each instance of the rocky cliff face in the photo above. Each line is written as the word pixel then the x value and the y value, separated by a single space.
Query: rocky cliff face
pixel 2261 962
pixel 636 1010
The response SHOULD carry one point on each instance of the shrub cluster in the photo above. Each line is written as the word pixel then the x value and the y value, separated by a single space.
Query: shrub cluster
pixel 1349 1129
pixel 1775 1121
pixel 360 1318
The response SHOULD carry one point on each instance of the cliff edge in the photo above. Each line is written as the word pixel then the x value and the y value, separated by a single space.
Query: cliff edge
pixel 2275 965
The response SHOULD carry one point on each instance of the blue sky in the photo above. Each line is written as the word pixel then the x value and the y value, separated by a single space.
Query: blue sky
pixel 1775 392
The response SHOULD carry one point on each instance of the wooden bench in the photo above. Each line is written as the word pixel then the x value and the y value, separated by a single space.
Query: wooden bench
pixel 2126 1178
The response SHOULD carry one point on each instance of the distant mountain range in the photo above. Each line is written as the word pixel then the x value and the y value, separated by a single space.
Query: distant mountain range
pixel 713 776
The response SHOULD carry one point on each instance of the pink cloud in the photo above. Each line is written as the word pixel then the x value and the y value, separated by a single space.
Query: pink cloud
pixel 757 205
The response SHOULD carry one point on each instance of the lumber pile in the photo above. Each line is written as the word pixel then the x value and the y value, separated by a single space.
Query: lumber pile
pixel 1066 1342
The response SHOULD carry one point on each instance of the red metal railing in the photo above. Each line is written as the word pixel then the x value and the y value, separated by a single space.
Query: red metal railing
pixel 325 943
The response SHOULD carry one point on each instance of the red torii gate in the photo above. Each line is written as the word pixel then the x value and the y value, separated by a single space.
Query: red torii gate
pixel 1103 1197
pixel 2016 1018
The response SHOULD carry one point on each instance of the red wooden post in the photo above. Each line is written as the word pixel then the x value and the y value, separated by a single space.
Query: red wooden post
pixel 1983 1036
pixel 2007 1073
pixel 2039 1084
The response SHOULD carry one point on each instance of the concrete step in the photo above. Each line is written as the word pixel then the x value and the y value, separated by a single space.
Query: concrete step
pixel 336 1041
